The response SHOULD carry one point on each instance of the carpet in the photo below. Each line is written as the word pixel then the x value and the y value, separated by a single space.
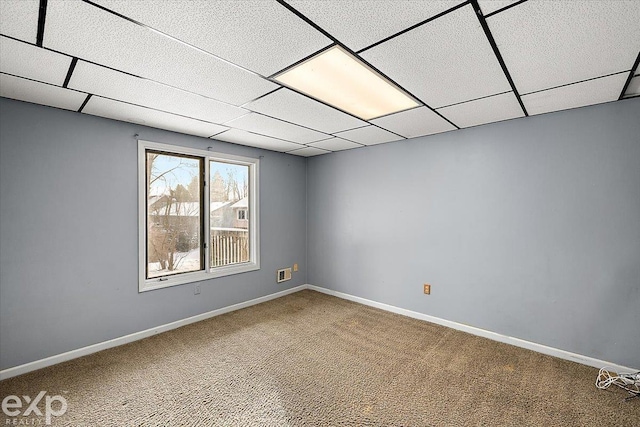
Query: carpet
pixel 309 359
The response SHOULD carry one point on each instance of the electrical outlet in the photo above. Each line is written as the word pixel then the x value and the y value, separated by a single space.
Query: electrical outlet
pixel 427 289
pixel 196 290
pixel 295 267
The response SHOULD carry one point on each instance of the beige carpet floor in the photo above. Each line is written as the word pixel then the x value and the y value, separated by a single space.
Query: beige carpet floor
pixel 309 359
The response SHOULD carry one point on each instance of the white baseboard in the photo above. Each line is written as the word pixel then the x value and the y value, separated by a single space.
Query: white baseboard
pixel 73 354
pixel 551 351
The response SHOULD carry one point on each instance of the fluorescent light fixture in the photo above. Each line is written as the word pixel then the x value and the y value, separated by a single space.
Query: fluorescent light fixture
pixel 337 78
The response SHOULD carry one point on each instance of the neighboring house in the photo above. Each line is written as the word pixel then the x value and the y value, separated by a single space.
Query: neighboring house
pixel 174 214
pixel 241 213
pixel 220 215
pixel 154 202
pixel 227 216
pixel 230 216
pixel 175 227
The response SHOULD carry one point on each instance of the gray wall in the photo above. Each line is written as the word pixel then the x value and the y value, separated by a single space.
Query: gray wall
pixel 69 233
pixel 529 227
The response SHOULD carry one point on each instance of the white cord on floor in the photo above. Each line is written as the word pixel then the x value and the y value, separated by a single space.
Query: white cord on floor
pixel 628 382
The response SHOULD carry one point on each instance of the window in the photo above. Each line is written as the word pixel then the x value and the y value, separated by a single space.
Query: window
pixel 181 240
pixel 174 214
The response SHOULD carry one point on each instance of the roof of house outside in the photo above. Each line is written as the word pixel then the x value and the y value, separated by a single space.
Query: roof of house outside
pixel 242 203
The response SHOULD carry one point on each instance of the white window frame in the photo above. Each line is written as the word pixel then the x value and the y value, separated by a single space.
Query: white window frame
pixel 253 216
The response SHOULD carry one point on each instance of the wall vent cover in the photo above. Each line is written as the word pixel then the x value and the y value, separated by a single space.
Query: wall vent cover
pixel 284 275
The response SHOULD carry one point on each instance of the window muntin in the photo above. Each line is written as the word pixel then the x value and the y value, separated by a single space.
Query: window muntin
pixel 169 178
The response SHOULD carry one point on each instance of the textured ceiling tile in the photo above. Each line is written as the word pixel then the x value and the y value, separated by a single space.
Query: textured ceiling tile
pixel 576 95
pixel 443 62
pixel 264 125
pixel 29 61
pixel 262 36
pixel 416 122
pixel 359 24
pixel 109 83
pixel 485 110
pixel 369 135
pixel 490 6
pixel 293 107
pixel 242 137
pixel 19 19
pixel 131 113
pixel 634 87
pixel 83 30
pixel 40 93
pixel 308 152
pixel 551 43
pixel 335 144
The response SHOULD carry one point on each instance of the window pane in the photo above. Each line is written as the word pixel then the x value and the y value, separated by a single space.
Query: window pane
pixel 230 214
pixel 174 219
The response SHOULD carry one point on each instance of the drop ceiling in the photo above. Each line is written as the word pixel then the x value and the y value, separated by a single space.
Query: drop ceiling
pixel 206 67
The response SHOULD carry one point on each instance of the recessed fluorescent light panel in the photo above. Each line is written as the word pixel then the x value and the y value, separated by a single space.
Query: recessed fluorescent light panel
pixel 337 78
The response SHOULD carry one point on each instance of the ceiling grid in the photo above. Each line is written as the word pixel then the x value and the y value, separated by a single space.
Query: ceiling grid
pixel 208 68
pixel 631 85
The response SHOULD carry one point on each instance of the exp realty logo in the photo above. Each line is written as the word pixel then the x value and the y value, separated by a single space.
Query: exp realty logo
pixel 12 406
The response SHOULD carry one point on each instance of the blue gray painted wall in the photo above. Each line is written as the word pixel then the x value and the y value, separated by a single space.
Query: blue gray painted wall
pixel 69 233
pixel 529 228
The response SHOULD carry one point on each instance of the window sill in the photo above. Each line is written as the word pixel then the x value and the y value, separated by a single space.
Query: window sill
pixel 197 276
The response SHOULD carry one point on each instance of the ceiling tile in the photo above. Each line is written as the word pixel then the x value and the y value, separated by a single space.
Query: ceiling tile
pixel 416 122
pixel 26 60
pixel 113 84
pixel 551 43
pixel 23 24
pixel 490 6
pixel 87 32
pixel 264 125
pixel 576 95
pixel 308 152
pixel 634 87
pixel 335 144
pixel 453 56
pixel 116 110
pixel 369 135
pixel 359 24
pixel 242 137
pixel 40 93
pixel 485 110
pixel 262 36
pixel 293 107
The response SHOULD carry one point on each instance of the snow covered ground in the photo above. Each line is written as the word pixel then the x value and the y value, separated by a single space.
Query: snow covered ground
pixel 184 261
